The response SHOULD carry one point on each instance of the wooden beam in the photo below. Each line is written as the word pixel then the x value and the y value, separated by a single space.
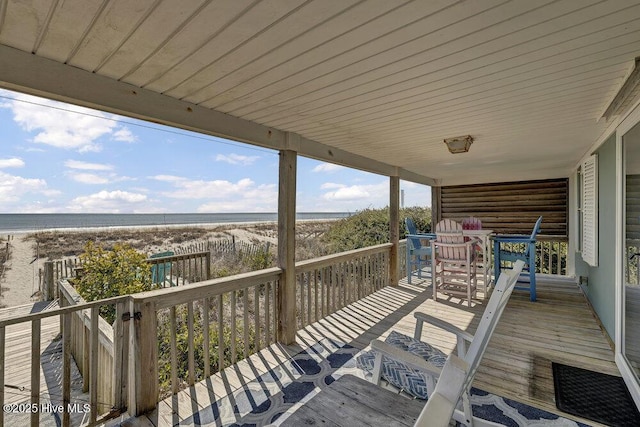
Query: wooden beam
pixel 286 247
pixel 394 229
pixel 24 72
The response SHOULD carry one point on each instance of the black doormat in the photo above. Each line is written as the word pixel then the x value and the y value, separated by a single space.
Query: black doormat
pixel 594 396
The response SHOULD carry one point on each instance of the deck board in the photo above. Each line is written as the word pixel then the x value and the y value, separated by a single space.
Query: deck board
pixel 559 327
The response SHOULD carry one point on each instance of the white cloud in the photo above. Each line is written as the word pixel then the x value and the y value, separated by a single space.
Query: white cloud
pixel 109 201
pixel 168 178
pixel 89 178
pixel 331 185
pixel 358 196
pixel 76 164
pixel 13 188
pixel 237 159
pixel 355 192
pixel 327 167
pixel 11 163
pixel 64 126
pixel 222 195
pixel 124 134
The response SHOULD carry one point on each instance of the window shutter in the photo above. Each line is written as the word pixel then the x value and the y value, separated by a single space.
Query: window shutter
pixel 590 211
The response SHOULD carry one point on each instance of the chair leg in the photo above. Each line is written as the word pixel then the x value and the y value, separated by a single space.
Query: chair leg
pixel 409 267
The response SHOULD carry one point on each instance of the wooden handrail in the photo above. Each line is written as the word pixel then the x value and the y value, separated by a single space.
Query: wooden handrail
pixel 342 256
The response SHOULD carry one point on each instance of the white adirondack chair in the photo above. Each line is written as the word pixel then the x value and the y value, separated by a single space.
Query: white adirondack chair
pixel 453 381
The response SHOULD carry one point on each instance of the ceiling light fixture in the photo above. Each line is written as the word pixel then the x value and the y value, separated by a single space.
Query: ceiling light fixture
pixel 459 144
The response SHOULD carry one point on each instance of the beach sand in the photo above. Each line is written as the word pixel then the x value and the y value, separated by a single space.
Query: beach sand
pixel 20 283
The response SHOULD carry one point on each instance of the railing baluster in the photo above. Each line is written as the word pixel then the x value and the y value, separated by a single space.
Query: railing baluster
pixel 66 369
pixel 2 364
pixel 233 327
pixel 256 317
pixel 220 333
pixel 93 366
pixel 205 336
pixel 245 321
pixel 173 348
pixel 309 287
pixel 35 370
pixel 300 287
pixel 315 294
pixel 191 352
pixel 267 320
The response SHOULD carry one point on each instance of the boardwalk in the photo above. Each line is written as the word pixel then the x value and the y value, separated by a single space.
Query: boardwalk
pixel 558 327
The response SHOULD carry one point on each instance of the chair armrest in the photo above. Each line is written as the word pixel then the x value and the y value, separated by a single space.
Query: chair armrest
pixel 456 245
pixel 409 359
pixel 428 236
pixel 442 324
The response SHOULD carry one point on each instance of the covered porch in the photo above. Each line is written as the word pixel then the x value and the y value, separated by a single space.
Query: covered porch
pixel 517 364
pixel 542 89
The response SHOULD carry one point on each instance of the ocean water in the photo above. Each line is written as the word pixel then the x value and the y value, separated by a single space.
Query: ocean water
pixel 13 223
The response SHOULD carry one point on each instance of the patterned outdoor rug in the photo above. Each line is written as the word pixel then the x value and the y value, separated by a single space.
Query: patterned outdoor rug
pixel 270 398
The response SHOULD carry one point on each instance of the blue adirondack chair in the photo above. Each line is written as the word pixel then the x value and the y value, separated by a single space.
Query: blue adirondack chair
pixel 161 272
pixel 416 251
pixel 528 255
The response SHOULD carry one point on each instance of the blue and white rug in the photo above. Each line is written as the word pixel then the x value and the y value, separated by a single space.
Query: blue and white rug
pixel 268 400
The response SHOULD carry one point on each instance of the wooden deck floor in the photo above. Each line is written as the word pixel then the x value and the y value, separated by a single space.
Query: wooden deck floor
pixel 558 327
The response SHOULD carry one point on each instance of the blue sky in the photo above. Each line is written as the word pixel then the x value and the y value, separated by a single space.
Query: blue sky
pixel 60 158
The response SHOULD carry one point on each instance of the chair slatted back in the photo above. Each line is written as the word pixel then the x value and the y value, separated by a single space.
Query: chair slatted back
pixel 496 305
pixel 471 223
pixel 449 231
pixel 534 233
pixel 411 229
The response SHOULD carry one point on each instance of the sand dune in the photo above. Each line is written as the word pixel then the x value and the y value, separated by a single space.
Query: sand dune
pixel 20 284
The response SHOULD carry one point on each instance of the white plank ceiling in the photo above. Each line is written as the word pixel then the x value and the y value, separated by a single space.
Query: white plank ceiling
pixel 387 80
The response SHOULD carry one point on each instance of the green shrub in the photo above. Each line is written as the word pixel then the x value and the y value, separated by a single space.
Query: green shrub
pixel 110 273
pixel 371 227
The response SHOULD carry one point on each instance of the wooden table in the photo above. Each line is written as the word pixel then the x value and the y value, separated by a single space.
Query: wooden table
pixel 353 401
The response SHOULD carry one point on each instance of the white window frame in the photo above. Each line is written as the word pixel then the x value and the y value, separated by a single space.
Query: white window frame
pixel 589 210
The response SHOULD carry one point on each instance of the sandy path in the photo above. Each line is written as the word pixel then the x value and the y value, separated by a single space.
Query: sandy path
pixel 20 281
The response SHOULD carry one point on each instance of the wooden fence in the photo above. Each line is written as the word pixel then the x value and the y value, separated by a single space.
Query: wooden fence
pixel 226 246
pixel 191 263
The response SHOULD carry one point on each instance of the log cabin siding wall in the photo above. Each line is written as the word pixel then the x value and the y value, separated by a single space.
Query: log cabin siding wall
pixel 507 208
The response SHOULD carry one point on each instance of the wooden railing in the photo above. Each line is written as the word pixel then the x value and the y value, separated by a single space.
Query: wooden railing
pixel 231 317
pixel 551 254
pixel 80 346
pixel 329 283
pixel 65 315
pixel 166 339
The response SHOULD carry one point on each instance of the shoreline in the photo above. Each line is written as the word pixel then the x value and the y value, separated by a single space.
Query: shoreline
pixel 205 225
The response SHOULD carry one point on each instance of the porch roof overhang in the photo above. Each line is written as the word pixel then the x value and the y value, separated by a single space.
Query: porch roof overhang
pixel 375 85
